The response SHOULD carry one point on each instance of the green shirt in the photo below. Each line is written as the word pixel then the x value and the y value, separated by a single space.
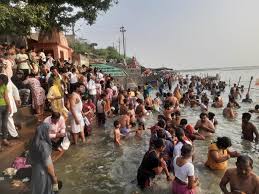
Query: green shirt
pixel 3 89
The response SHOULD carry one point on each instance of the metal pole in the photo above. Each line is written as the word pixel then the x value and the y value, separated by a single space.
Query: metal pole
pixel 119 41
pixel 122 30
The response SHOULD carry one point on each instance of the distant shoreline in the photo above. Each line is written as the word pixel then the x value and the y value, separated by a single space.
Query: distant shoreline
pixel 220 68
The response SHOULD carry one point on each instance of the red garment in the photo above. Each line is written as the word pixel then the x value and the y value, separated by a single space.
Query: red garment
pixel 189 128
pixel 88 106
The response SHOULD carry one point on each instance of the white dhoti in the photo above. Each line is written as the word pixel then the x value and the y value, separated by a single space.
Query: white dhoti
pixel 13 95
pixel 11 127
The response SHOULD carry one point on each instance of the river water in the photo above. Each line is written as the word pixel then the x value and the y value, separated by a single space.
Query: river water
pixel 100 167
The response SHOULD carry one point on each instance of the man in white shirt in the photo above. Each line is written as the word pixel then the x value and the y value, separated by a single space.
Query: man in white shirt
pixel 42 55
pixel 99 75
pixel 14 98
pixel 57 131
pixel 23 62
pixel 91 88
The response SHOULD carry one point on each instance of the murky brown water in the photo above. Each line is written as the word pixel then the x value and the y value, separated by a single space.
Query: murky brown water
pixel 100 167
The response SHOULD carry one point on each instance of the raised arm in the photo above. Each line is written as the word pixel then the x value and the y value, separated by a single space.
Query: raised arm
pixel 224 181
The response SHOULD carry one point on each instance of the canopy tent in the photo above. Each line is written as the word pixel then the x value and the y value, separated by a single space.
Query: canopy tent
pixel 109 69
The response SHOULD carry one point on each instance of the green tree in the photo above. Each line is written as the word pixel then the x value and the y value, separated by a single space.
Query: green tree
pixel 57 13
pixel 89 48
pixel 18 20
pixel 81 47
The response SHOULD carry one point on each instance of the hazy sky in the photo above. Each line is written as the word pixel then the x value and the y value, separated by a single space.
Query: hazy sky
pixel 182 34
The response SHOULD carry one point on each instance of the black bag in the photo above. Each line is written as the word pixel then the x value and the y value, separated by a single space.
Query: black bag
pixel 24 173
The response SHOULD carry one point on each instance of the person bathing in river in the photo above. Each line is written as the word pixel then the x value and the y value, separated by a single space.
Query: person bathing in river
pixel 117 133
pixel 176 119
pixel 229 111
pixel 124 107
pixel 168 110
pixel 152 164
pixel 181 140
pixel 140 111
pixel 140 129
pixel 157 102
pixel 190 131
pixel 125 123
pixel 218 103
pixel 173 101
pixel 148 103
pixel 185 182
pixel 241 179
pixel 57 130
pixel 132 115
pixel 212 118
pixel 219 154
pixel 204 126
pixel 255 110
pixel 249 130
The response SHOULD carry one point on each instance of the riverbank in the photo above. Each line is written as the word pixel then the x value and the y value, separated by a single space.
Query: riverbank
pixel 28 122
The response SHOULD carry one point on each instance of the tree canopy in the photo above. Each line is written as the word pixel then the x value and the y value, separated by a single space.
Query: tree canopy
pixel 45 14
pixel 19 20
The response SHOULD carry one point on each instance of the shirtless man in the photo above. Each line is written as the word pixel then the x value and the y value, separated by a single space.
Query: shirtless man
pixel 124 107
pixel 248 128
pixel 173 100
pixel 168 110
pixel 140 111
pixel 204 126
pixel 229 112
pixel 125 123
pixel 176 119
pixel 121 97
pixel 218 102
pixel 190 131
pixel 117 133
pixel 148 103
pixel 241 179
pixel 76 107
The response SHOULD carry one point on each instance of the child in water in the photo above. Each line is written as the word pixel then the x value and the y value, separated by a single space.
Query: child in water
pixel 117 133
pixel 141 127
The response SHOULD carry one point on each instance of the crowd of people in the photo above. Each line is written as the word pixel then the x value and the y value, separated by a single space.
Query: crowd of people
pixel 67 101
pixel 171 142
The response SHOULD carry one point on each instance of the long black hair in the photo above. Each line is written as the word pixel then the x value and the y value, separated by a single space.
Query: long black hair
pixel 223 142
pixel 179 133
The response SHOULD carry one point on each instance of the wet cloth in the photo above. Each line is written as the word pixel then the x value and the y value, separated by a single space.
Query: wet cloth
pixel 178 147
pixel 145 171
pixel 178 188
pixel 211 163
pixel 40 155
pixel 124 131
pixel 182 173
pixel 78 111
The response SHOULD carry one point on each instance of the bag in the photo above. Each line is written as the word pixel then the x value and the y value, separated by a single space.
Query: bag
pixel 65 143
pixel 20 162
pixel 24 173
